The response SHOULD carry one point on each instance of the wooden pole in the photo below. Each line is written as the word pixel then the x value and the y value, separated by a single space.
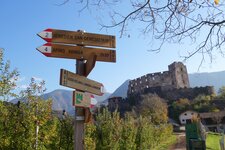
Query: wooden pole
pixel 83 68
pixel 79 114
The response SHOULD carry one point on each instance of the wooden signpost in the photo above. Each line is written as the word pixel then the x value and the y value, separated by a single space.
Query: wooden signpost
pixel 76 52
pixel 72 45
pixel 82 83
pixel 81 38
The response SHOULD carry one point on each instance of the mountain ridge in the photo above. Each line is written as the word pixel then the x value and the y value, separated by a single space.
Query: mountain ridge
pixel 216 79
pixel 62 99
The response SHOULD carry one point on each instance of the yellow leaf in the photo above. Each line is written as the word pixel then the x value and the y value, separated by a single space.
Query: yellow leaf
pixel 216 2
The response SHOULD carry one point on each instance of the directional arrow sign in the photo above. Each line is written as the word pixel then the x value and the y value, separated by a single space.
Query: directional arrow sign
pixel 78 82
pixel 82 38
pixel 81 99
pixel 77 52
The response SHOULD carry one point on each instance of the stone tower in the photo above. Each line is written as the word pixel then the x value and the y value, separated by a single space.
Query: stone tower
pixel 179 75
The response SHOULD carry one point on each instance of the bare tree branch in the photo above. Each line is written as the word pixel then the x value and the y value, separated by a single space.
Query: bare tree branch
pixel 173 21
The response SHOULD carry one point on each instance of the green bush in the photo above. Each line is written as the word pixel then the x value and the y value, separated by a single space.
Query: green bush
pixel 128 133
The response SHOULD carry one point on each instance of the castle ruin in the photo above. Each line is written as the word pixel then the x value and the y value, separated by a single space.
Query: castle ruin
pixel 175 78
pixel 170 85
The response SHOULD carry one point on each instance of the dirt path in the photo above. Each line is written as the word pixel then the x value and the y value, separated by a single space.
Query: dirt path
pixel 181 142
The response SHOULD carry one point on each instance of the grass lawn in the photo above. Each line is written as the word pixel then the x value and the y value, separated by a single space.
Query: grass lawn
pixel 212 141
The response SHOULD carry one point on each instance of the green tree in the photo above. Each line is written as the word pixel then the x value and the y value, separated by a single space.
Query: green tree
pixel 65 133
pixel 90 136
pixel 128 133
pixel 4 132
pixel 108 128
pixel 202 103
pixel 178 107
pixel 29 124
pixel 39 116
pixel 8 79
pixel 202 99
pixel 154 107
pixel 145 136
pixel 221 92
pixel 150 136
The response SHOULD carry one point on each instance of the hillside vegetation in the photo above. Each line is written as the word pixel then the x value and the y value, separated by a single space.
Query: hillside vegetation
pixel 30 123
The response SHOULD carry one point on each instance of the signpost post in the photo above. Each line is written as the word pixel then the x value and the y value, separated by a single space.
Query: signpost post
pixel 79 113
pixel 72 45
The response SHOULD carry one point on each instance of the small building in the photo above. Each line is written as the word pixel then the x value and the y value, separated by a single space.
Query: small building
pixel 187 116
pixel 214 121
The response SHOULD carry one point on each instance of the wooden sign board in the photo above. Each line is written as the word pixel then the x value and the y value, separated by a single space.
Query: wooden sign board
pixel 81 83
pixel 81 38
pixel 81 99
pixel 77 52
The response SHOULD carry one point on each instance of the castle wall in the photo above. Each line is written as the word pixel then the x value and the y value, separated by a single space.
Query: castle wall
pixel 119 104
pixel 149 80
pixel 176 94
pixel 170 95
pixel 175 77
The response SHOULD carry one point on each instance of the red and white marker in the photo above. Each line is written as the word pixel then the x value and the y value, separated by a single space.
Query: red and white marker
pixel 45 49
pixel 93 101
pixel 46 35
pixel 92 105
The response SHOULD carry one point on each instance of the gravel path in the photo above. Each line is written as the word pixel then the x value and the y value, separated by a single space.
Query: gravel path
pixel 181 142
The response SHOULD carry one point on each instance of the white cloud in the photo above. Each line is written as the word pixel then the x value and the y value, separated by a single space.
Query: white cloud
pixel 18 79
pixel 25 86
pixel 37 79
pixel 21 83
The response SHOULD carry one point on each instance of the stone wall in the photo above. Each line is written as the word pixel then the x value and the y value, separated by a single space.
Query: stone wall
pixel 119 104
pixel 170 95
pixel 176 94
pixel 175 77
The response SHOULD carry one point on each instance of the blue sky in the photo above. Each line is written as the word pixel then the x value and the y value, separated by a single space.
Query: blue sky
pixel 22 20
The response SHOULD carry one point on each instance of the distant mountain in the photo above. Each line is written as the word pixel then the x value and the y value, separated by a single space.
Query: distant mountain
pixel 121 91
pixel 216 79
pixel 62 99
